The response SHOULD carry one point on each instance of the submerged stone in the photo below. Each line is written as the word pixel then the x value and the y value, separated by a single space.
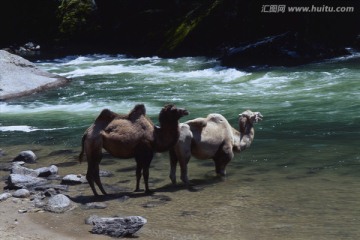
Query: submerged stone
pixel 26 156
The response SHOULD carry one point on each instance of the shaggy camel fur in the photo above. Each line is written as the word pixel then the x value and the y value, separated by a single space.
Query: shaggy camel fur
pixel 127 136
pixel 211 138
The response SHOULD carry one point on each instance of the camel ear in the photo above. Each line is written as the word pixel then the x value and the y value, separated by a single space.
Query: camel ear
pixel 169 106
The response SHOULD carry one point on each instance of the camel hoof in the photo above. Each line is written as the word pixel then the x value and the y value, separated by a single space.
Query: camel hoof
pixel 149 192
pixel 138 190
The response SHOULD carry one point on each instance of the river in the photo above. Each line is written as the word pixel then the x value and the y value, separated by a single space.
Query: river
pixel 298 180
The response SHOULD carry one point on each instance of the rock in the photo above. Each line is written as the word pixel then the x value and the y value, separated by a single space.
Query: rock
pixel 19 77
pixel 5 196
pixel 95 205
pixel 56 187
pixel 16 181
pixel 21 193
pixel 105 173
pixel 116 226
pixel 18 169
pixel 73 179
pixel 59 204
pixel 47 171
pixel 26 156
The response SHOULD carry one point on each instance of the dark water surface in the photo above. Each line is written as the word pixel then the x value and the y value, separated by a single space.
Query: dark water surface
pixel 299 180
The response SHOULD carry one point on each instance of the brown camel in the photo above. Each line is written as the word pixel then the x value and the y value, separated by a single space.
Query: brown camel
pixel 211 138
pixel 127 136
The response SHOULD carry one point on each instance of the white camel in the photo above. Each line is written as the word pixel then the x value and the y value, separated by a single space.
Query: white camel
pixel 211 138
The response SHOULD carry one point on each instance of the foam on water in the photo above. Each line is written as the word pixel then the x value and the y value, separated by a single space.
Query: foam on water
pixel 26 129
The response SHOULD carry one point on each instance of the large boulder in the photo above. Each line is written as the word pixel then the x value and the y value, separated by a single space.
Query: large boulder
pixel 116 226
pixel 287 49
pixel 19 77
pixel 16 181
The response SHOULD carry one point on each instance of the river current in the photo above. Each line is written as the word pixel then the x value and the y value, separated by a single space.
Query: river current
pixel 299 179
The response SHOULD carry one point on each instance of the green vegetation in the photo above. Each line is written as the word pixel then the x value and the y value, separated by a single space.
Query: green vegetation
pixel 76 18
pixel 177 35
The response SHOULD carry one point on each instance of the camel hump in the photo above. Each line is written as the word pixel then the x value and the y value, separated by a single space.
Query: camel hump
pixel 197 122
pixel 107 115
pixel 138 111
pixel 216 118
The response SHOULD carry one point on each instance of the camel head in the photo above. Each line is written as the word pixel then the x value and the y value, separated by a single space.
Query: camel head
pixel 248 118
pixel 171 113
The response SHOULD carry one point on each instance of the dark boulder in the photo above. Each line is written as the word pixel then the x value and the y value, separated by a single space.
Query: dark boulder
pixel 287 49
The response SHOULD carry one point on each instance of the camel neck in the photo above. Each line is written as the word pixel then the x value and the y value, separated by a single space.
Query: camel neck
pixel 166 136
pixel 244 137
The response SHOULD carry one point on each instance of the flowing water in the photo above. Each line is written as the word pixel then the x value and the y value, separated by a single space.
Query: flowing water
pixel 298 180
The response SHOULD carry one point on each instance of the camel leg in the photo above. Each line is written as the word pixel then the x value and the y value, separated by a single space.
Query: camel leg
pixel 173 164
pixel 143 159
pixel 94 156
pixel 90 177
pixel 97 178
pixel 138 177
pixel 181 153
pixel 183 159
pixel 221 159
pixel 146 179
pixel 183 162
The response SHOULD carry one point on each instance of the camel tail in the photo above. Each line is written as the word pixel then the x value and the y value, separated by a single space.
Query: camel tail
pixel 81 156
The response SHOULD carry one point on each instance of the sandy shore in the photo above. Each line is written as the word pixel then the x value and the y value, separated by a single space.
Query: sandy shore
pixel 38 225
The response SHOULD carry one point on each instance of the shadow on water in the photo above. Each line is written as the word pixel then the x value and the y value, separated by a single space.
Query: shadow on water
pixel 67 164
pixel 195 185
pixel 62 152
pixel 123 196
